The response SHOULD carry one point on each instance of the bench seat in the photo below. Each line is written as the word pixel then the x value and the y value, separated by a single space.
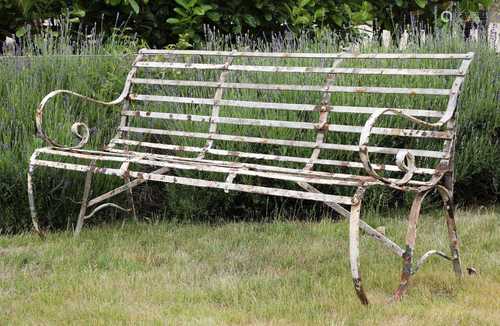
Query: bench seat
pixel 202 164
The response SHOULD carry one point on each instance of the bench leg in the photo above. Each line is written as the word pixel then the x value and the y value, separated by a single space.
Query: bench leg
pixel 449 209
pixel 354 244
pixel 411 236
pixel 31 199
pixel 130 199
pixel 85 199
pixel 388 243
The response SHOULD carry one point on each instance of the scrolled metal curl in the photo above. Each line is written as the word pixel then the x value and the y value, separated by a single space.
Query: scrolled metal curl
pixel 404 158
pixel 84 137
pixel 79 129
pixel 406 162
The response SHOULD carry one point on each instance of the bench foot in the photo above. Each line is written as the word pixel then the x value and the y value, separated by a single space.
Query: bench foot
pixel 354 244
pixel 407 254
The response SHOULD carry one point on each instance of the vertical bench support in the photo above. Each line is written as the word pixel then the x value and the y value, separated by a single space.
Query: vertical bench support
pixel 411 236
pixel 219 92
pixel 354 244
pixel 85 198
pixel 126 178
pixel 124 169
pixel 31 196
pixel 446 193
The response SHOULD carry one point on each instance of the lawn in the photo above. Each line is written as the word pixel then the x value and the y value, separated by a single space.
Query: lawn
pixel 282 272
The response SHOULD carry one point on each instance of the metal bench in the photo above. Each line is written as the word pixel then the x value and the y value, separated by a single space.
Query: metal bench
pixel 279 124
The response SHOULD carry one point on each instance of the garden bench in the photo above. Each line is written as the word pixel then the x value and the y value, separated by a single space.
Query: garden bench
pixel 184 114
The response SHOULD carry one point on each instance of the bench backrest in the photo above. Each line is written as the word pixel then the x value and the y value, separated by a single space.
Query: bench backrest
pixel 293 109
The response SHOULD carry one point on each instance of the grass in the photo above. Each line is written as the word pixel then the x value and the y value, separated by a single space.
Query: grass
pixel 24 82
pixel 281 273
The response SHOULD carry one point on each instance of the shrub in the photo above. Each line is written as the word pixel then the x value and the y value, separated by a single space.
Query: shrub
pixel 166 22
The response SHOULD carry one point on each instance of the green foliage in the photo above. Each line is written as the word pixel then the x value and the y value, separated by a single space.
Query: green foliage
pixel 474 5
pixel 396 15
pixel 306 13
pixel 299 15
pixel 265 17
pixel 10 18
pixel 190 15
pixel 165 22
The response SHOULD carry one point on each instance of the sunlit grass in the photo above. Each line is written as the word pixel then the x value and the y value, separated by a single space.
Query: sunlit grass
pixel 245 273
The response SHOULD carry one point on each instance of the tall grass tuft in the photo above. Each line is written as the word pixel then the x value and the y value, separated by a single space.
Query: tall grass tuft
pixel 99 68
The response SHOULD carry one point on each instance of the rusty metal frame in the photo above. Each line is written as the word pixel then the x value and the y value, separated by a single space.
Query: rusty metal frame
pixel 118 150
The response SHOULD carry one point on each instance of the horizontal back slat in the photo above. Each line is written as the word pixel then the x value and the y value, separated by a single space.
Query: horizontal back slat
pixel 284 69
pixel 280 106
pixel 309 88
pixel 343 55
pixel 288 124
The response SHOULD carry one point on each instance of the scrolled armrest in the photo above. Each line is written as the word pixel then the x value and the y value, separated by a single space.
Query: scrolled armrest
pixel 404 158
pixel 79 129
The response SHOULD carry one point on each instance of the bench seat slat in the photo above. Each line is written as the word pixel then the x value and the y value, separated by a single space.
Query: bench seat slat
pixel 269 141
pixel 127 155
pixel 265 171
pixel 288 124
pixel 345 200
pixel 283 87
pixel 351 148
pixel 285 55
pixel 347 164
pixel 285 69
pixel 318 178
pixel 274 172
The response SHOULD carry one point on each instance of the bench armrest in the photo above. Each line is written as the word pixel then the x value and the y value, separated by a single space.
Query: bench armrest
pixel 79 129
pixel 404 158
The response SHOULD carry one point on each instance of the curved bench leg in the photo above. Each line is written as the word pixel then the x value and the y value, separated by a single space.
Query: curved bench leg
pixel 85 199
pixel 354 244
pixel 31 196
pixel 449 209
pixel 32 203
pixel 411 236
